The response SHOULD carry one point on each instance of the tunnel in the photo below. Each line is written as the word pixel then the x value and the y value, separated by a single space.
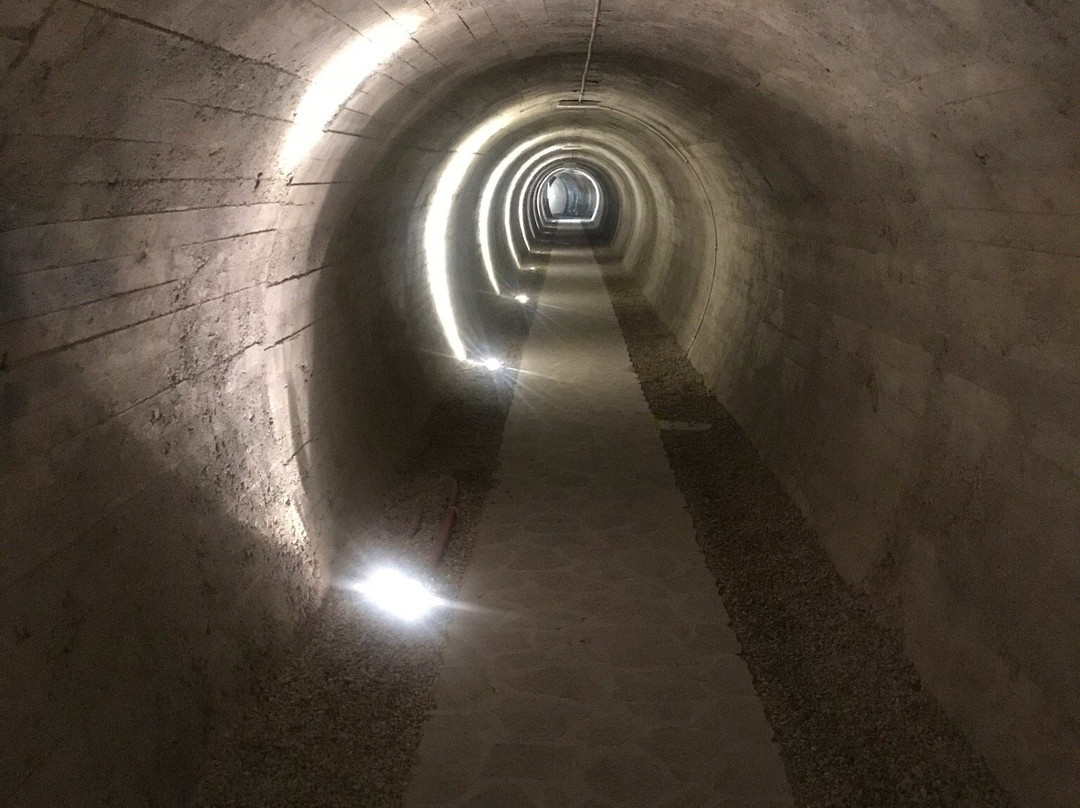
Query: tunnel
pixel 713 369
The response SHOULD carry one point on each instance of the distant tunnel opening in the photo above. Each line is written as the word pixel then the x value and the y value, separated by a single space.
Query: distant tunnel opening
pixel 571 195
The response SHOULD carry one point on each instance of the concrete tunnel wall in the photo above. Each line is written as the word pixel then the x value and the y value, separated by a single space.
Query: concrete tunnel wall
pixel 212 362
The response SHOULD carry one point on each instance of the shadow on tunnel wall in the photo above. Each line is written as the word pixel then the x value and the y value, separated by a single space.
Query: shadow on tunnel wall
pixel 140 627
pixel 358 401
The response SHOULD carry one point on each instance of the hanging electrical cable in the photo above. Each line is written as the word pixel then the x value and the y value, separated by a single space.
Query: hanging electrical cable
pixel 588 55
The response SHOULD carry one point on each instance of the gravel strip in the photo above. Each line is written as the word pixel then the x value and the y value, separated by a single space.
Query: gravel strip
pixel 854 726
pixel 338 720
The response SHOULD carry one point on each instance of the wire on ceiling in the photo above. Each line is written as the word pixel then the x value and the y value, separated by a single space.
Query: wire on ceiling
pixel 588 55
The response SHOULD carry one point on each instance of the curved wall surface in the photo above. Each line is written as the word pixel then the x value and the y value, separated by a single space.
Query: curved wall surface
pixel 219 329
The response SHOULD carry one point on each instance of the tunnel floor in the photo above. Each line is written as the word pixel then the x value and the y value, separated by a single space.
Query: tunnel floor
pixel 593 663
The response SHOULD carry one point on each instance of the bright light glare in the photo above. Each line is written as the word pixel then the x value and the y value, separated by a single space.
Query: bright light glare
pixel 491 363
pixel 336 83
pixel 437 224
pixel 521 298
pixel 395 592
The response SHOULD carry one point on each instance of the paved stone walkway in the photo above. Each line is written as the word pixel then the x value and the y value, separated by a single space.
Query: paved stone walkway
pixel 596 667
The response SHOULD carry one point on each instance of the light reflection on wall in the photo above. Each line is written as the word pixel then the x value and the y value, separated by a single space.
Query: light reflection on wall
pixel 486 201
pixel 437 224
pixel 336 83
pixel 508 207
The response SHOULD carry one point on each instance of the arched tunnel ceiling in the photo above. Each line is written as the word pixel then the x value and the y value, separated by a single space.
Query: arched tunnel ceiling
pixel 859 220
pixel 846 66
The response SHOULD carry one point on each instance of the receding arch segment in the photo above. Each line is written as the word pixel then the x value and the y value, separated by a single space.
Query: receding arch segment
pixel 595 223
pixel 487 200
pixel 437 224
pixel 600 159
